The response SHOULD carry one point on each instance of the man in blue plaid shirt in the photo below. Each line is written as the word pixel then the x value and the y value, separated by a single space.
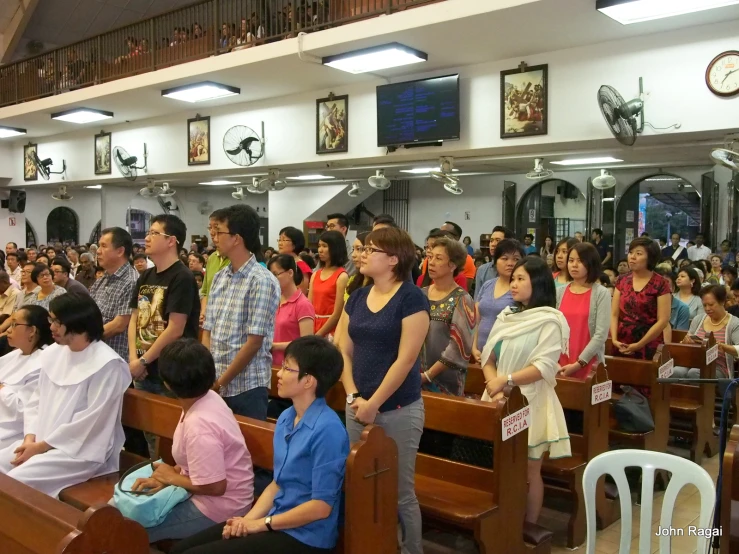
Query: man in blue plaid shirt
pixel 240 314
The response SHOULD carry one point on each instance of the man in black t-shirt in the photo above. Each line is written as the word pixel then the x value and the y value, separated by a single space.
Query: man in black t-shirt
pixel 602 246
pixel 165 303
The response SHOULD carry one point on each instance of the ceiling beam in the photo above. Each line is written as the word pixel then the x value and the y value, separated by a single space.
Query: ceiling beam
pixel 15 30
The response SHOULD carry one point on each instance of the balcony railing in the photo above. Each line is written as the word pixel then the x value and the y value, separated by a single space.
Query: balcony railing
pixel 206 28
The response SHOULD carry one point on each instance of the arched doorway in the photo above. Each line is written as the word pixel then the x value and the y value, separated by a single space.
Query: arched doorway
pixel 31 237
pixel 659 205
pixel 62 225
pixel 95 235
pixel 138 223
pixel 551 207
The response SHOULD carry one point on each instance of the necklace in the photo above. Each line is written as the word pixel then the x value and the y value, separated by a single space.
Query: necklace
pixel 720 323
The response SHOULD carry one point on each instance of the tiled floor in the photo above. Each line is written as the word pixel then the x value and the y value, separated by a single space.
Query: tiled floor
pixel 685 514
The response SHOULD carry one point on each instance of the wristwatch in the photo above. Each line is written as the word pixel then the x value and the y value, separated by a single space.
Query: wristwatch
pixel 143 361
pixel 350 398
pixel 268 523
pixel 582 363
pixel 510 381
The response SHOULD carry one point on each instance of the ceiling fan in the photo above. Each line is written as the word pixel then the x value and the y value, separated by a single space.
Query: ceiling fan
pixel 727 157
pixel 604 181
pixel 539 172
pixel 61 194
pixel 238 194
pixel 379 181
pixel 271 183
pixel 355 191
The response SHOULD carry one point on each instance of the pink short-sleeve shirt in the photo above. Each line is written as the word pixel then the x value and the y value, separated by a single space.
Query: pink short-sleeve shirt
pixel 287 320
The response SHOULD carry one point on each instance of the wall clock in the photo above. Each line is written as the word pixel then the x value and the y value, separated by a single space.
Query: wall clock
pixel 722 74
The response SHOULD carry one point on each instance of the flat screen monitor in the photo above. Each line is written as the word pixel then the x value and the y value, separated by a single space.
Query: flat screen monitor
pixel 418 111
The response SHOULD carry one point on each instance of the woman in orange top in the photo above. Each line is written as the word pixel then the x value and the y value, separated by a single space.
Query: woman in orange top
pixel 328 283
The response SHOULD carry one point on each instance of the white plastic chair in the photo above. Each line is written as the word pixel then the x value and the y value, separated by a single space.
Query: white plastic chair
pixel 683 472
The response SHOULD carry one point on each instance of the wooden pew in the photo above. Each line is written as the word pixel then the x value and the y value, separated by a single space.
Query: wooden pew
pixel 370 483
pixel 642 373
pixel 34 523
pixel 563 477
pixel 692 406
pixel 489 503
pixel 730 495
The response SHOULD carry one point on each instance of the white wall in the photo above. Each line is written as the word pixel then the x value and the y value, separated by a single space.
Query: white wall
pixel 86 204
pixel 292 206
pixel 430 205
pixel 575 76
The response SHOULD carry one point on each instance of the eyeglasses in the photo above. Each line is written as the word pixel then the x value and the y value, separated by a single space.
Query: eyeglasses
pixel 278 274
pixel 151 233
pixel 54 321
pixel 331 226
pixel 283 239
pixel 291 370
pixel 14 325
pixel 45 274
pixel 216 232
pixel 372 250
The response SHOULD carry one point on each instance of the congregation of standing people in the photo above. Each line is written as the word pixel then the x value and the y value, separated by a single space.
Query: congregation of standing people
pixel 387 318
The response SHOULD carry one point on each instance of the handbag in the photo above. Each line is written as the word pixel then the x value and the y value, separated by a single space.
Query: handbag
pixel 632 411
pixel 146 508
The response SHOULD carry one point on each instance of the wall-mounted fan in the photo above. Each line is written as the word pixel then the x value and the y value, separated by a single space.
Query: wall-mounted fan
pixel 539 172
pixel 238 194
pixel 166 191
pixel 127 164
pixel 61 194
pixel 379 181
pixel 355 191
pixel 727 157
pixel 43 167
pixel 604 181
pixel 243 145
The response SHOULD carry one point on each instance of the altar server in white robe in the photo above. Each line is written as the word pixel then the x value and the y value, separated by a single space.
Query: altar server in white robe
pixel 75 433
pixel 28 334
pixel 523 350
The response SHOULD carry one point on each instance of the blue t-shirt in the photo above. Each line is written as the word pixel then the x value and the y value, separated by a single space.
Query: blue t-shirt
pixel 489 309
pixel 309 464
pixel 376 338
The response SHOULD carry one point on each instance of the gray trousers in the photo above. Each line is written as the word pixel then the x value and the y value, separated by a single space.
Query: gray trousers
pixel 405 427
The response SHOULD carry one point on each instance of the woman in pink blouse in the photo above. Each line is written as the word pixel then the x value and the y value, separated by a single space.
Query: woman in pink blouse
pixel 296 315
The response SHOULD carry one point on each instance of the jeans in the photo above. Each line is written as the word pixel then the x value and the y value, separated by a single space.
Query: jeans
pixel 154 387
pixel 211 541
pixel 252 403
pixel 183 521
pixel 405 427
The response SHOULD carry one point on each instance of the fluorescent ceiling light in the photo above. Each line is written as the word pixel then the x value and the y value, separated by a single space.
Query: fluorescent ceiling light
pixel 96 187
pixel 310 177
pixel 199 92
pixel 422 170
pixel 608 199
pixel 375 58
pixel 665 178
pixel 7 132
pixel 637 11
pixel 82 115
pixel 588 161
pixel 216 182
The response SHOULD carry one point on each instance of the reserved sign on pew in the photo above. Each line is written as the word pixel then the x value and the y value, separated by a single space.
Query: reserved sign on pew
pixel 665 370
pixel 516 422
pixel 601 392
pixel 711 354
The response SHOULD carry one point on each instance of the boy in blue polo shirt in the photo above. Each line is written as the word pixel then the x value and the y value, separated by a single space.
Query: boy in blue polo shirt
pixel 298 513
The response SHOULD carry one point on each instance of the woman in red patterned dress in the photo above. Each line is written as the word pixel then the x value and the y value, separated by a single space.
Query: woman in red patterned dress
pixel 640 310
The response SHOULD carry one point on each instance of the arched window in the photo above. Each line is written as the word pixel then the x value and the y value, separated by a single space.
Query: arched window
pixel 63 226
pixel 31 239
pixel 95 235
pixel 138 223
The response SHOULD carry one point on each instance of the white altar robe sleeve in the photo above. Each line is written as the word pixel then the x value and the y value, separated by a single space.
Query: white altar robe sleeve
pixel 15 402
pixel 30 415
pixel 545 353
pixel 90 433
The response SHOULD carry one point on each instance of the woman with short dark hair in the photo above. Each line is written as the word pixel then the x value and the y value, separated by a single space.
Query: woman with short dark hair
pixel 688 285
pixel 327 285
pixel 523 350
pixel 641 304
pixel 292 241
pixel 586 305
pixel 29 332
pixel 212 461
pixel 76 434
pixel 47 291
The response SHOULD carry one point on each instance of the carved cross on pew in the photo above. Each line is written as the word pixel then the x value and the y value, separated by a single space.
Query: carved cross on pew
pixel 376 496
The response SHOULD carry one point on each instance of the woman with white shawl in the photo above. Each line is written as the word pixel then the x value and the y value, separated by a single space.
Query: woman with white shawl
pixel 523 350
pixel 74 433
pixel 28 334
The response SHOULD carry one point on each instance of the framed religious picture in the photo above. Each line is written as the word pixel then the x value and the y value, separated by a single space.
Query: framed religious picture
pixel 524 109
pixel 198 140
pixel 30 173
pixel 332 124
pixel 102 153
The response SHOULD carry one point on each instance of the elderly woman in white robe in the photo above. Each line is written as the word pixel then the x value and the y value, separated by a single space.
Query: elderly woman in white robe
pixel 75 432
pixel 523 350
pixel 28 334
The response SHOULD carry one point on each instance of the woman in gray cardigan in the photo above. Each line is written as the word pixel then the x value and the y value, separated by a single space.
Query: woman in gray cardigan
pixel 725 329
pixel 586 305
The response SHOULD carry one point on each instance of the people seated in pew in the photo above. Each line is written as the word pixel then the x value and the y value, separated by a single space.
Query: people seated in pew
pixel 28 334
pixel 295 314
pixel 383 330
pixel 688 291
pixel 640 309
pixel 679 311
pixel 495 295
pixel 523 350
pixel 213 463
pixel 725 329
pixel 586 305
pixel 446 352
pixel 298 513
pixel 75 433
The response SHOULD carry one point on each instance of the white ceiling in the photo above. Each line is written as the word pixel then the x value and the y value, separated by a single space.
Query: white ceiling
pixel 7 12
